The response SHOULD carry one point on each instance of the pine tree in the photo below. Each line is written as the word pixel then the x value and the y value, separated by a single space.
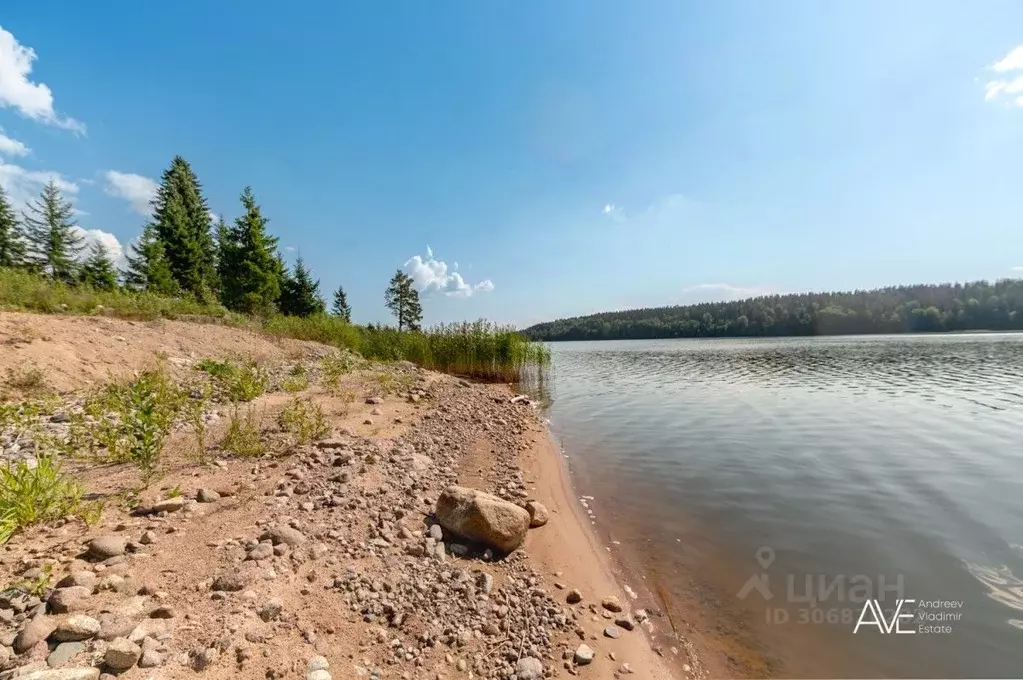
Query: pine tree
pixel 54 239
pixel 250 268
pixel 12 240
pixel 341 307
pixel 181 217
pixel 148 268
pixel 98 270
pixel 403 301
pixel 300 293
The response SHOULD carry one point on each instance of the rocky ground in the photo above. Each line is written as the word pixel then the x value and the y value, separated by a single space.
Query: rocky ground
pixel 327 559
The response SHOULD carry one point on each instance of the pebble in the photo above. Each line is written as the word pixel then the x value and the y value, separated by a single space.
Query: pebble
pixel 106 546
pixel 611 604
pixel 122 654
pixel 207 496
pixel 76 628
pixel 612 632
pixel 64 652
pixel 574 596
pixel 529 668
pixel 64 600
pixel 583 655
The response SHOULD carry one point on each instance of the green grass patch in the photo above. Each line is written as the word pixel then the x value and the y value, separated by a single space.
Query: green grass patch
pixel 236 382
pixel 243 437
pixel 34 493
pixel 304 420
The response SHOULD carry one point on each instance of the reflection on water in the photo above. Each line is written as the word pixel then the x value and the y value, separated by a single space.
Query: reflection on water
pixel 894 459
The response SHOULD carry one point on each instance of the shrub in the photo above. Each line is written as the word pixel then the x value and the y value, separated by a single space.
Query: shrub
pixel 237 382
pixel 304 420
pixel 30 494
pixel 243 436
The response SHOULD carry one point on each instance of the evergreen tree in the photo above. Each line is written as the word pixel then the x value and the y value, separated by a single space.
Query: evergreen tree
pixel 300 293
pixel 341 307
pixel 250 267
pixel 403 301
pixel 181 217
pixel 12 240
pixel 148 268
pixel 54 239
pixel 98 270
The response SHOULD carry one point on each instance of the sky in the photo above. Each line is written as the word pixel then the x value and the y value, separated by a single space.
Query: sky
pixel 528 161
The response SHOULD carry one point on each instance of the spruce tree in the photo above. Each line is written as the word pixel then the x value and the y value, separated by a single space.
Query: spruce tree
pixel 98 270
pixel 403 301
pixel 181 217
pixel 54 239
pixel 300 293
pixel 12 240
pixel 250 267
pixel 341 307
pixel 148 268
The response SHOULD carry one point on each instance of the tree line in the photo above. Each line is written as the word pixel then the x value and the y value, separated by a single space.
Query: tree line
pixel 182 253
pixel 978 305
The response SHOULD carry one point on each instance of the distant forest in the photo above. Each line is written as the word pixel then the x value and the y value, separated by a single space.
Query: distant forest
pixel 898 309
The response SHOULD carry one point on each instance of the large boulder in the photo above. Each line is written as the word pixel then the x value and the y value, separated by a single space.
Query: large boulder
pixel 482 517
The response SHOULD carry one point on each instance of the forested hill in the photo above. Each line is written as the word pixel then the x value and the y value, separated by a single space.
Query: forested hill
pixel 899 309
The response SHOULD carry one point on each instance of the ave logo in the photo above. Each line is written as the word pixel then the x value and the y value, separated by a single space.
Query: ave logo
pixel 873 615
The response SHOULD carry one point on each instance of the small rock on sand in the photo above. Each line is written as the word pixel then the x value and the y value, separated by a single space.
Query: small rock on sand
pixel 529 668
pixel 207 496
pixel 75 628
pixel 612 632
pixel 537 513
pixel 122 654
pixel 105 547
pixel 63 653
pixel 37 630
pixel 583 655
pixel 574 596
pixel 285 534
pixel 64 600
pixel 611 604
pixel 482 517
pixel 169 505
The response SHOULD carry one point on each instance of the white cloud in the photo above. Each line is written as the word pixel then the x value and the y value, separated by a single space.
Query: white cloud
pixel 24 185
pixel 113 247
pixel 432 276
pixel 718 292
pixel 289 249
pixel 139 191
pixel 11 147
pixel 1009 85
pixel 33 100
pixel 1018 269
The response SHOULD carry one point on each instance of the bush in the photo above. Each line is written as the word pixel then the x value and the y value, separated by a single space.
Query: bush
pixel 304 420
pixel 237 382
pixel 243 436
pixel 32 494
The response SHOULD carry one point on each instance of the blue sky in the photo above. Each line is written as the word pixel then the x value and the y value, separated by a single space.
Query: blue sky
pixel 556 158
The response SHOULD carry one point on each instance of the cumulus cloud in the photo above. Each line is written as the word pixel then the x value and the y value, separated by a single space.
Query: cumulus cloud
pixel 109 242
pixel 139 191
pixel 433 276
pixel 23 185
pixel 1010 85
pixel 17 91
pixel 11 147
pixel 718 292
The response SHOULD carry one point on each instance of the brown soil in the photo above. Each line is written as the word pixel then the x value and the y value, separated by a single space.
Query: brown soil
pixel 368 525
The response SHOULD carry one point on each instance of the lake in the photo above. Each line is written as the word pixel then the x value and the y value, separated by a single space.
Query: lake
pixel 767 489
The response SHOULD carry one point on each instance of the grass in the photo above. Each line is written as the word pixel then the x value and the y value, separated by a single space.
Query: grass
pixel 243 436
pixel 33 493
pixel 27 380
pixel 479 349
pixel 304 420
pixel 238 382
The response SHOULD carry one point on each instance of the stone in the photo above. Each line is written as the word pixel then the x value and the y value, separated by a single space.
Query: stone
pixel 285 534
pixel 537 513
pixel 63 653
pixel 574 596
pixel 86 579
pixel 207 496
pixel 625 669
pixel 106 547
pixel 583 655
pixel 271 609
pixel 64 600
pixel 374 400
pixel 263 551
pixel 529 668
pixel 168 505
pixel 436 532
pixel 611 604
pixel 230 583
pixel 114 627
pixel 318 663
pixel 150 658
pixel 482 517
pixel 626 623
pixel 164 612
pixel 122 654
pixel 318 675
pixel 612 632
pixel 62 674
pixel 76 628
pixel 147 538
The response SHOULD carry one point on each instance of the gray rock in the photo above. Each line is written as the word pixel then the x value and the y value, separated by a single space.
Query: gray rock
pixel 436 532
pixel 122 654
pixel 75 628
pixel 113 627
pixel 318 663
pixel 151 658
pixel 86 579
pixel 583 655
pixel 285 534
pixel 105 547
pixel 64 600
pixel 529 668
pixel 318 675
pixel 35 631
pixel 263 551
pixel 163 612
pixel 612 632
pixel 485 582
pixel 374 400
pixel 207 496
pixel 63 653
pixel 574 596
pixel 147 538
pixel 271 609
pixel 231 583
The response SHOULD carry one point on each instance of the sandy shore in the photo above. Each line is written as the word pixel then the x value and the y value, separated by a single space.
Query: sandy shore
pixel 308 559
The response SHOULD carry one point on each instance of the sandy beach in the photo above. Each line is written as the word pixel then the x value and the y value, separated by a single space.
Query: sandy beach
pixel 315 558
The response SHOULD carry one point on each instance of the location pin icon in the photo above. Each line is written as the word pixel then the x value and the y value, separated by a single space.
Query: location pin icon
pixel 765 556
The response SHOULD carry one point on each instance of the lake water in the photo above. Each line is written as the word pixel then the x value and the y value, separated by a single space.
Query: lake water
pixel 741 477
